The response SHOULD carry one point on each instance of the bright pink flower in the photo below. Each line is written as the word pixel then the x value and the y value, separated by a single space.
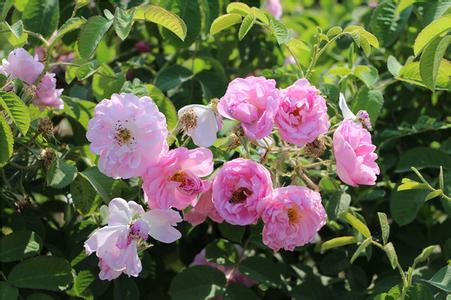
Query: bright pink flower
pixel 116 245
pixel 22 65
pixel 202 209
pixel 175 181
pixel 47 95
pixel 292 216
pixel 302 115
pixel 274 7
pixel 231 273
pixel 254 102
pixel 238 187
pixel 354 154
pixel 129 134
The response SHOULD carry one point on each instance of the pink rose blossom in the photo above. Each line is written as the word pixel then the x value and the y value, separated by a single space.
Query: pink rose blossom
pixel 116 245
pixel 237 189
pixel 354 154
pixel 202 209
pixel 22 65
pixel 129 134
pixel 302 115
pixel 47 95
pixel 292 216
pixel 274 7
pixel 254 102
pixel 231 273
pixel 175 181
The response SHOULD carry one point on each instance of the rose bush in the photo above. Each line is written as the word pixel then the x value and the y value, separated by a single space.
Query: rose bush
pixel 194 149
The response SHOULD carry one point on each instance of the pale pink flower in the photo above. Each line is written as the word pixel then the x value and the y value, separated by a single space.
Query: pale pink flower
pixel 302 114
pixel 238 187
pixel 231 273
pixel 20 64
pixel 200 123
pixel 292 216
pixel 129 134
pixel 254 102
pixel 274 7
pixel 354 154
pixel 47 95
pixel 175 181
pixel 116 245
pixel 202 210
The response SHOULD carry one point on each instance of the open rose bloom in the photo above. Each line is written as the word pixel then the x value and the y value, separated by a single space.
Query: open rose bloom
pixel 128 133
pixel 20 64
pixel 116 245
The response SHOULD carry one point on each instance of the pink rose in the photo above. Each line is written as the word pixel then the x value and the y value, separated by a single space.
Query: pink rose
pixel 302 115
pixel 238 188
pixel 129 134
pixel 22 65
pixel 202 209
pixel 116 245
pixel 254 102
pixel 292 216
pixel 47 95
pixel 274 7
pixel 175 181
pixel 354 154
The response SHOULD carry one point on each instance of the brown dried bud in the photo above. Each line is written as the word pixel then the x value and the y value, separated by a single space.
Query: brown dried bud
pixel 315 148
pixel 45 127
pixel 238 131
pixel 214 105
pixel 188 119
pixel 47 156
pixel 234 141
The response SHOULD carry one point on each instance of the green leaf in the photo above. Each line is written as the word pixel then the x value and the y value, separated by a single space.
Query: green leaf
pixel 171 77
pixel 404 206
pixel 433 194
pixel 263 270
pixel 190 13
pixel 394 67
pixel 423 157
pixel 106 82
pixel 91 34
pixel 338 242
pixel 42 272
pixel 231 232
pixel 123 22
pixel 441 279
pixel 8 292
pixel 369 100
pixel 164 104
pixel 332 32
pixel 368 74
pixel 424 255
pixel 70 25
pixel 403 4
pixel 360 249
pixel 408 184
pixel 280 31
pixel 80 3
pixel 6 141
pixel 391 254
pixel 431 58
pixel 60 174
pixel 411 73
pixel 125 288
pixel 336 204
pixel 102 184
pixel 213 83
pixel 5 8
pixel 84 196
pixel 363 34
pixel 41 16
pixel 236 291
pixel 430 32
pixel 246 25
pixel 357 224
pixel 238 8
pixel 386 23
pixel 39 296
pixel 16 28
pixel 223 22
pixel 88 285
pixel 222 252
pixel 300 50
pixel 16 110
pixel 79 110
pixel 161 16
pixel 198 282
pixel 385 227
pixel 418 291
pixel 19 245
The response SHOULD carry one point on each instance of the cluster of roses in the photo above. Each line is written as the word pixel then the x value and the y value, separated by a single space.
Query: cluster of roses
pixel 130 136
pixel 21 65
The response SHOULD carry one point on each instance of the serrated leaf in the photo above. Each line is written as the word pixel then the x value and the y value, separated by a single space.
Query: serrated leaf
pixel 430 32
pixel 372 40
pixel 424 255
pixel 410 73
pixel 431 58
pixel 403 4
pixel 441 279
pixel 19 245
pixel 80 3
pixel 300 50
pixel 385 227
pixel 164 104
pixel 246 25
pixel 332 32
pixel 16 110
pixel 224 22
pixel 41 16
pixel 84 196
pixel 91 34
pixel 102 184
pixel 357 224
pixel 393 65
pixel 238 8
pixel 123 22
pixel 70 25
pixel 6 141
pixel 189 12
pixel 391 254
pixel 16 28
pixel 338 242
pixel 280 31
pixel 360 249
pixel 171 77
pixel 260 15
pixel 161 16
pixel 60 174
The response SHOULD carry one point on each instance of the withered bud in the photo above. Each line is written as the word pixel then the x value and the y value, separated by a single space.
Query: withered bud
pixel 315 148
pixel 238 131
pixel 214 105
pixel 45 127
pixel 189 119
pixel 234 141
pixel 47 156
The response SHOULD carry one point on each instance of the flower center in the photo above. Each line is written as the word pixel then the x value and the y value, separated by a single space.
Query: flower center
pixel 293 215
pixel 178 176
pixel 123 136
pixel 189 119
pixel 297 114
pixel 240 195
